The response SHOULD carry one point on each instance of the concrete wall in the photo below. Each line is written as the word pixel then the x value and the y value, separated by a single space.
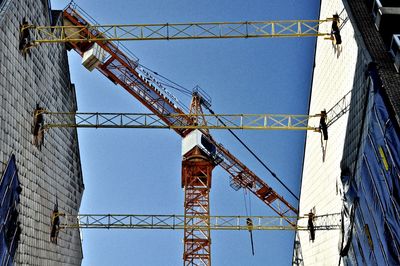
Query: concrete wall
pixel 54 171
pixel 336 72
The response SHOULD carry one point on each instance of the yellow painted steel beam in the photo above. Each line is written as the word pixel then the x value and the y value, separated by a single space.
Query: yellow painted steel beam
pixel 143 120
pixel 177 31
pixel 177 222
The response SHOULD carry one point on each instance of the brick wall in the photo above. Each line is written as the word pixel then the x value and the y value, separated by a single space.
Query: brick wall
pixel 379 53
pixel 54 172
pixel 334 75
pixel 336 72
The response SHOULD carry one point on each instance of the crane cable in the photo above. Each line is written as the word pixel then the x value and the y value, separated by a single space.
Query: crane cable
pixel 249 222
pixel 186 92
pixel 247 202
pixel 254 155
pixel 175 85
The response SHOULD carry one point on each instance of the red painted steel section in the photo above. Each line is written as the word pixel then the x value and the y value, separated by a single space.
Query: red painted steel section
pixel 122 70
pixel 196 179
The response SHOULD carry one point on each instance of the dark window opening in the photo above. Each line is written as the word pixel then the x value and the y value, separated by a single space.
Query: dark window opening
pixel 10 232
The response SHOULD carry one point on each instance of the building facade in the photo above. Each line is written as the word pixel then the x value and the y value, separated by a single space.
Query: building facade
pixel 355 173
pixel 49 174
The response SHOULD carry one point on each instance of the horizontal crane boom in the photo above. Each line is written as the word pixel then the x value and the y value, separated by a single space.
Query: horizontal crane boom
pixel 177 31
pixel 176 222
pixel 143 120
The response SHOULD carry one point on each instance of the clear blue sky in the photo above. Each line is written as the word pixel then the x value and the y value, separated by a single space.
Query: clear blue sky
pixel 138 171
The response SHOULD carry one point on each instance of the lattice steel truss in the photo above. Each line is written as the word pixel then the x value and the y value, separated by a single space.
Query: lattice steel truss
pixel 178 31
pixel 177 222
pixel 196 180
pixel 183 121
pixel 339 109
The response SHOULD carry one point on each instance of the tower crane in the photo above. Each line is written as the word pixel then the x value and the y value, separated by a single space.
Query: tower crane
pixel 209 121
pixel 200 152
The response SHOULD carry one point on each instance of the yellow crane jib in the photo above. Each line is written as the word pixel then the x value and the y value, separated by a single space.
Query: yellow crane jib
pixel 45 120
pixel 173 31
pixel 177 222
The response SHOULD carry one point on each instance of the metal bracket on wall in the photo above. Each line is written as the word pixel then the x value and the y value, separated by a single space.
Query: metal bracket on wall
pixel 38 127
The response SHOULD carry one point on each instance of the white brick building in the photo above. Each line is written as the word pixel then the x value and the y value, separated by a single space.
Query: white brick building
pixel 336 72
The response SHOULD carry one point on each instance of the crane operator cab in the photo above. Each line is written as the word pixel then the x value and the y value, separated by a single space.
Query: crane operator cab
pixel 199 139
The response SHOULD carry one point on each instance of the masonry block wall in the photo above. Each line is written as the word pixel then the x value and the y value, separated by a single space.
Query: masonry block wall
pixel 54 172
pixel 334 75
pixel 337 71
pixel 378 50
